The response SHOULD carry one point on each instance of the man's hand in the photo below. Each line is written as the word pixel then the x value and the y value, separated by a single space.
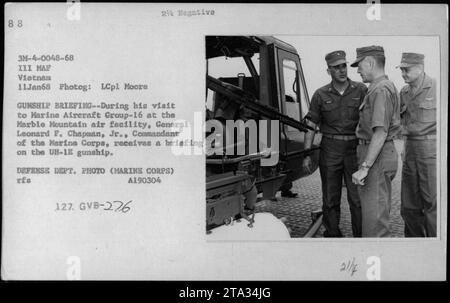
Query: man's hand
pixel 359 177
pixel 307 164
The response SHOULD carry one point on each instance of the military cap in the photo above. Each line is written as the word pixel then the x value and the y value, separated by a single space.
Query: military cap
pixel 362 52
pixel 410 59
pixel 335 58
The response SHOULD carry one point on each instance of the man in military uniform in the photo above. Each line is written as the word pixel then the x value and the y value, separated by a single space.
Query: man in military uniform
pixel 335 108
pixel 379 123
pixel 418 112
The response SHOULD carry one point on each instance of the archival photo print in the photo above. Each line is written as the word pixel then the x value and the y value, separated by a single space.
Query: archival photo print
pixel 229 142
pixel 321 136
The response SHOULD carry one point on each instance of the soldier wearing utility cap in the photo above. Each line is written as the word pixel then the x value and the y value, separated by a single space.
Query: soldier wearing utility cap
pixel 335 108
pixel 418 112
pixel 379 123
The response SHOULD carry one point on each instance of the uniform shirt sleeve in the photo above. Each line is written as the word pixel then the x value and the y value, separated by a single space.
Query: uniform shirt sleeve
pixel 382 109
pixel 314 109
pixel 433 90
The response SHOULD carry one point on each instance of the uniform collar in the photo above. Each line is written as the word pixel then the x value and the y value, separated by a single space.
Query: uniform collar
pixel 377 81
pixel 351 85
pixel 426 83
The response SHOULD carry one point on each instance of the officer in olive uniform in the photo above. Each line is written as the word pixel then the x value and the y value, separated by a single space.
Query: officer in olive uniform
pixel 418 111
pixel 379 123
pixel 335 108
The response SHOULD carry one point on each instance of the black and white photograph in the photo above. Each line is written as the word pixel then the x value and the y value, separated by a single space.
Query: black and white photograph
pixel 317 161
pixel 224 142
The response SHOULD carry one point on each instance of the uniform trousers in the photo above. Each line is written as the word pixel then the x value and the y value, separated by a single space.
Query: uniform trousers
pixel 376 193
pixel 418 208
pixel 337 160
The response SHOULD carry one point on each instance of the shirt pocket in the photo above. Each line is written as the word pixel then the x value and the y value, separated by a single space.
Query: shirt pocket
pixel 330 111
pixel 353 108
pixel 427 110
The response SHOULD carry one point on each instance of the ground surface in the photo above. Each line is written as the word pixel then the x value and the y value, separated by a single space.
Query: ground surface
pixel 297 210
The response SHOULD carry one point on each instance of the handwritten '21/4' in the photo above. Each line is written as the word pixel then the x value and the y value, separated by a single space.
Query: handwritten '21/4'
pixel 349 266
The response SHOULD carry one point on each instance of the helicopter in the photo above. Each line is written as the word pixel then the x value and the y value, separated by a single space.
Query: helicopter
pixel 256 101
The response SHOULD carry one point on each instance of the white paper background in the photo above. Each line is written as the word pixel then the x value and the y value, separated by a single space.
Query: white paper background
pixel 163 237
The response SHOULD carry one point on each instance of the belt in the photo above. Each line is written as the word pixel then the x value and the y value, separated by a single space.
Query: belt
pixel 366 142
pixel 340 137
pixel 425 137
